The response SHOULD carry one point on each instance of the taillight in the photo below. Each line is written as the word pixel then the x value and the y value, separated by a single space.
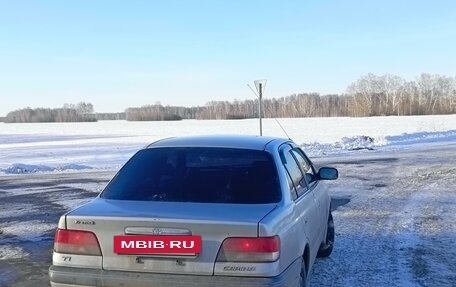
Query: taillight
pixel 249 249
pixel 76 242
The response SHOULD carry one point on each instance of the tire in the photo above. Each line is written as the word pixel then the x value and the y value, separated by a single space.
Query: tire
pixel 326 247
pixel 303 273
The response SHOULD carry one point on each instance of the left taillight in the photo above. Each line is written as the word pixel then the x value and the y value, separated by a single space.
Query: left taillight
pixel 76 242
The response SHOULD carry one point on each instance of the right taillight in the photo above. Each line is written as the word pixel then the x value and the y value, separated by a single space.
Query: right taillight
pixel 76 242
pixel 250 249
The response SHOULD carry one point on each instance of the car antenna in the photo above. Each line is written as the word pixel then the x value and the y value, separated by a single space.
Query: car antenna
pixel 277 121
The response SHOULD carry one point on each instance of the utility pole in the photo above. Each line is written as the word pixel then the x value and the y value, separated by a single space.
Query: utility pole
pixel 259 85
pixel 260 93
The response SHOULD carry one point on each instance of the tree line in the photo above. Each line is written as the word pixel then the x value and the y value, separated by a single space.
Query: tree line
pixel 428 94
pixel 109 116
pixel 68 113
pixel 155 112
pixel 370 95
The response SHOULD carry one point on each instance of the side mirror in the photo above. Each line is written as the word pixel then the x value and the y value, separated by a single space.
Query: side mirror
pixel 328 173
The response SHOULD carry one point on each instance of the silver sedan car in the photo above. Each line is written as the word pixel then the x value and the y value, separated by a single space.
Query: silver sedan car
pixel 201 211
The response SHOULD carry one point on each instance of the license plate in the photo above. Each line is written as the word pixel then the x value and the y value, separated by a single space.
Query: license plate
pixel 157 244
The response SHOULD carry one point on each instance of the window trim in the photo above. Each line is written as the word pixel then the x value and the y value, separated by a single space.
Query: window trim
pixel 313 184
pixel 306 189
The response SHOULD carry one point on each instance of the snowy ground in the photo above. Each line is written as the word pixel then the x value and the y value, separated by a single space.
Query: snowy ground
pixel 38 147
pixel 30 205
pixel 399 228
pixel 396 198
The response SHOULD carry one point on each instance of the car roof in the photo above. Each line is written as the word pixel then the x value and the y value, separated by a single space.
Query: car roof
pixel 225 141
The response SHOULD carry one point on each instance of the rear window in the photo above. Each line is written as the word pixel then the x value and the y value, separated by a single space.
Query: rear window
pixel 215 175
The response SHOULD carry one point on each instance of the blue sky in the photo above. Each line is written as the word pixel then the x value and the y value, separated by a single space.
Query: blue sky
pixel 118 54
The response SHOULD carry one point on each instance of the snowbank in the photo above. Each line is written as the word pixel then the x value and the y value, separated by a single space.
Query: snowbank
pixel 19 168
pixel 421 137
pixel 364 142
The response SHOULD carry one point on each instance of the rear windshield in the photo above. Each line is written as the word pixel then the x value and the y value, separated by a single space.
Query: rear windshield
pixel 216 175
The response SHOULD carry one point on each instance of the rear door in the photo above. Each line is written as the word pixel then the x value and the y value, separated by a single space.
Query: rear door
pixel 321 196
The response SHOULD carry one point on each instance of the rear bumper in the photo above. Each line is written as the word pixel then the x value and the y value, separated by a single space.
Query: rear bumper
pixel 82 277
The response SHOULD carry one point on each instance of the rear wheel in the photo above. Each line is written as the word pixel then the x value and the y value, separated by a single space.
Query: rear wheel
pixel 327 246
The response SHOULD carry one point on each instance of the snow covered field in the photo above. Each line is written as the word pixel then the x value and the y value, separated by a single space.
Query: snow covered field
pixel 45 147
pixel 395 201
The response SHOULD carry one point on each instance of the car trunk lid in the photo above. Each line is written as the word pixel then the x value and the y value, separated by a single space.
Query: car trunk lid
pixel 213 222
